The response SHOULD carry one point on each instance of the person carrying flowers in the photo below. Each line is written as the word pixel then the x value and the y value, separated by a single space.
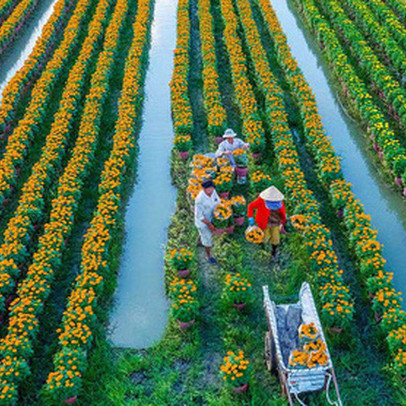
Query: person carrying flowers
pixel 270 215
pixel 229 145
pixel 205 203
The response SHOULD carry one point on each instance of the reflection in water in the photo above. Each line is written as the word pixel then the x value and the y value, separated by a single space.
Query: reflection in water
pixel 13 59
pixel 141 311
pixel 386 206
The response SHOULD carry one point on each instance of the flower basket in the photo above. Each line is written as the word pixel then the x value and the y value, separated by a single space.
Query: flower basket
pixel 254 234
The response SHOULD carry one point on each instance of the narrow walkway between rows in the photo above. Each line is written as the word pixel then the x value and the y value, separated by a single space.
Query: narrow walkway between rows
pixel 385 205
pixel 141 311
pixel 14 58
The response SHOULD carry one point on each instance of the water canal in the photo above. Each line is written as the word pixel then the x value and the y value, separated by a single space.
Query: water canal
pixel 385 205
pixel 141 308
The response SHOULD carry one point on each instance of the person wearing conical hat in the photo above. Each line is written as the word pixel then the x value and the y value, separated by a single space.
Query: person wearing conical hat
pixel 230 144
pixel 270 215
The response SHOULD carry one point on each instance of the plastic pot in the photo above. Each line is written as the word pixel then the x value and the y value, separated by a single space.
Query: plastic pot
pixel 70 401
pixel 241 172
pixel 239 306
pixel 239 221
pixel 224 195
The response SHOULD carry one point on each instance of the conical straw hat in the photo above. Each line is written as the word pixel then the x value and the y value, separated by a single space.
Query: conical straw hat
pixel 272 194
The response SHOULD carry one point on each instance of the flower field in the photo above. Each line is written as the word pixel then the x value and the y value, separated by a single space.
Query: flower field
pixel 69 125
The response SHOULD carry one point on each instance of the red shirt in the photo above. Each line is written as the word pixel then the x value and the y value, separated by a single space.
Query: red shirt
pixel 263 213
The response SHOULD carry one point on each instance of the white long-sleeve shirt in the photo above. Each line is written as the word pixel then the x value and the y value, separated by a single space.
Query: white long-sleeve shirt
pixel 204 207
pixel 226 146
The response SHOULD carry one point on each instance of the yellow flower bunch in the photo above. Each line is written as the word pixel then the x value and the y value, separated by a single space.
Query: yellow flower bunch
pixel 313 354
pixel 223 211
pixel 254 235
pixel 239 152
pixel 221 161
pixel 308 332
pixel 234 369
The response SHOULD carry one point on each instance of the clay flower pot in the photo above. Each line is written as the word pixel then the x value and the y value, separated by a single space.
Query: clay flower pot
pixel 219 140
pixel 224 195
pixel 239 221
pixel 183 273
pixel 230 230
pixel 241 172
pixel 70 401
pixel 242 388
pixel 256 156
pixel 398 181
pixel 336 330
pixel 184 325
pixel 239 306
pixel 219 231
pixel 184 154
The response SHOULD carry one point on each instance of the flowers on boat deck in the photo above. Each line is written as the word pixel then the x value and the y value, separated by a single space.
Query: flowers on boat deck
pixel 255 235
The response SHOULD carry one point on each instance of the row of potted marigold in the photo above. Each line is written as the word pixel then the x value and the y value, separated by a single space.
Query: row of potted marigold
pixel 361 235
pixel 215 112
pixel 12 25
pixel 76 332
pixel 31 208
pixel 378 34
pixel 33 65
pixel 20 139
pixel 355 92
pixel 337 303
pixel 33 291
pixel 389 89
pixel 389 18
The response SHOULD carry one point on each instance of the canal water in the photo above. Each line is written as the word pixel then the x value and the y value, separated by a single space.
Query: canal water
pixel 141 307
pixel 385 205
pixel 14 57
